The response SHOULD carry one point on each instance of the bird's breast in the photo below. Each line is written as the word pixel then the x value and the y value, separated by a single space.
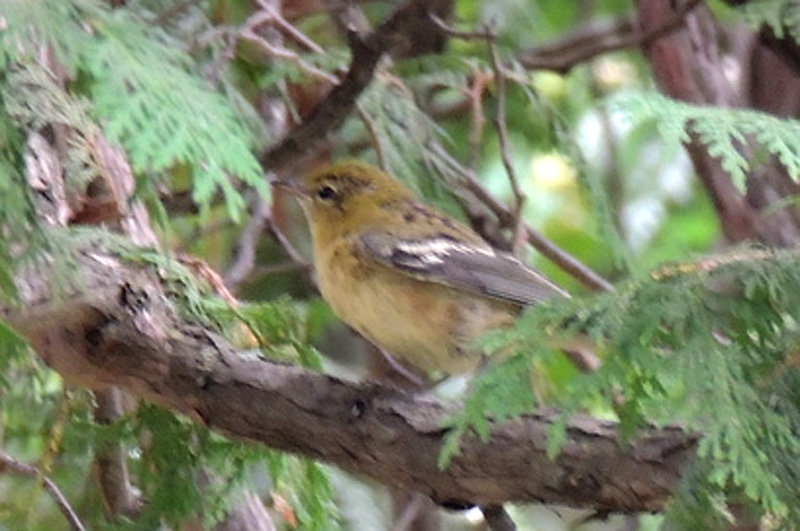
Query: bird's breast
pixel 428 324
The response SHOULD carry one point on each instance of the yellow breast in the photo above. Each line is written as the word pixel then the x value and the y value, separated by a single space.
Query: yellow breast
pixel 428 324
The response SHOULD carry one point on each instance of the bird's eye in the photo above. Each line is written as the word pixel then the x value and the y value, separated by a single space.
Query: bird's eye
pixel 326 192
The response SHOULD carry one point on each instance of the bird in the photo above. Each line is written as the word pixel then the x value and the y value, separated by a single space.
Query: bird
pixel 418 284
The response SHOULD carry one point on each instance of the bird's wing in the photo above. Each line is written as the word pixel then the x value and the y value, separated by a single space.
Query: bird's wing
pixel 468 267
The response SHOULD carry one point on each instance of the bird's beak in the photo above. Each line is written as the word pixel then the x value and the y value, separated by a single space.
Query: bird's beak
pixel 293 187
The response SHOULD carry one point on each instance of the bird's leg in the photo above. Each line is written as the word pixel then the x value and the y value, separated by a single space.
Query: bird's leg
pixel 397 366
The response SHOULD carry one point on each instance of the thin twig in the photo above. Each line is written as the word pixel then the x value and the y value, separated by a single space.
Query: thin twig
pixel 486 34
pixel 12 466
pixel 375 139
pixel 482 34
pixel 288 247
pixel 225 57
pixel 330 112
pixel 118 494
pixel 249 31
pixel 497 518
pixel 295 34
pixel 245 260
pixel 410 512
pixel 163 17
pixel 475 99
pixel 502 135
pixel 302 10
pixel 564 55
pixel 249 34
pixel 245 253
pixel 550 250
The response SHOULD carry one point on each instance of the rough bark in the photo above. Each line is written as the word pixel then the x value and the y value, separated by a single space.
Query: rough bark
pixel 121 331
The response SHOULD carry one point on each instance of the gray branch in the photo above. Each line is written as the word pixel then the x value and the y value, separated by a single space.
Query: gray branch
pixel 121 330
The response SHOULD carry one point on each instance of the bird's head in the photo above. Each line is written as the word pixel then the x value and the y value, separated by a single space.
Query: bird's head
pixel 345 195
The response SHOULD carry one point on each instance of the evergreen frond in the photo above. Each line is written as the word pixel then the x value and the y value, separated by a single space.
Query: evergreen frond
pixel 306 485
pixel 36 101
pixel 709 345
pixel 405 136
pixel 725 132
pixel 501 391
pixel 164 114
pixel 13 350
pixel 32 23
pixel 19 227
pixel 145 90
pixel 401 130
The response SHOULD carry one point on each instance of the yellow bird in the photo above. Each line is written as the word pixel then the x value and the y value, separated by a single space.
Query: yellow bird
pixel 418 284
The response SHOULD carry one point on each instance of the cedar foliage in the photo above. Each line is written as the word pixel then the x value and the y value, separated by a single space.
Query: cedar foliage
pixel 709 344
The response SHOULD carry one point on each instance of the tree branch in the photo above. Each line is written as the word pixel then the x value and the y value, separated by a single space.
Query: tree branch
pixel 12 466
pixel 389 37
pixel 592 41
pixel 549 250
pixel 118 494
pixel 121 331
pixel 688 65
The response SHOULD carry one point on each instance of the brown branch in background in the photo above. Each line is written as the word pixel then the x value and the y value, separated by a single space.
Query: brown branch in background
pixel 11 466
pixel 414 511
pixel 478 125
pixel 301 10
pixel 163 17
pixel 119 495
pixel 181 202
pixel 288 29
pixel 374 137
pixel 588 35
pixel 481 34
pixel 295 255
pixel 283 267
pixel 502 135
pixel 249 33
pixel 247 513
pixel 244 261
pixel 329 113
pixel 564 55
pixel 587 43
pixel 252 31
pixel 550 250
pixel 512 217
pixel 215 71
pixel 245 252
pixel 687 66
pixel 497 518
